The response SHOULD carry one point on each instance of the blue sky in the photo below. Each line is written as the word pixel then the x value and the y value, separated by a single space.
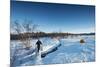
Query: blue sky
pixel 55 17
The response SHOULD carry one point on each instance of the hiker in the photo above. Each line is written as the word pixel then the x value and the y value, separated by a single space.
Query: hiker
pixel 38 46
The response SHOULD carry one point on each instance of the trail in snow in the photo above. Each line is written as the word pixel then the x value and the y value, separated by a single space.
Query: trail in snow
pixel 29 57
pixel 69 52
pixel 38 59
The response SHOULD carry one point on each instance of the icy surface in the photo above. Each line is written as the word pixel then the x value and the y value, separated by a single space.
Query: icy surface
pixel 70 51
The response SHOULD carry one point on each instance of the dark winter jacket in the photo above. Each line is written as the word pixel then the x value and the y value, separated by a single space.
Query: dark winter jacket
pixel 38 43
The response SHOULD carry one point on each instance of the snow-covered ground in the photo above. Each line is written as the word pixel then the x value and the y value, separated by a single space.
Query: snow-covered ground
pixel 70 51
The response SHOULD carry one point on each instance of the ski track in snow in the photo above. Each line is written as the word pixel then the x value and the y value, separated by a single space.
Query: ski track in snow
pixel 70 51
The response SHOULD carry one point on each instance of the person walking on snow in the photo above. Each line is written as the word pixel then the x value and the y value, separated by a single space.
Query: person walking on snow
pixel 38 46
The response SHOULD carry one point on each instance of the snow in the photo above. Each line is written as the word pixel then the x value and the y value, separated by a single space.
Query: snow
pixel 19 52
pixel 50 47
pixel 70 51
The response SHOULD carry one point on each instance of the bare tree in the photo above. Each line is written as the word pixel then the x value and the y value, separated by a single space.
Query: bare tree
pixel 24 29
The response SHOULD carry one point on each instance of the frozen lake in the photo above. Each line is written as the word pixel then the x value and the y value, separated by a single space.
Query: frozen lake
pixel 70 51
